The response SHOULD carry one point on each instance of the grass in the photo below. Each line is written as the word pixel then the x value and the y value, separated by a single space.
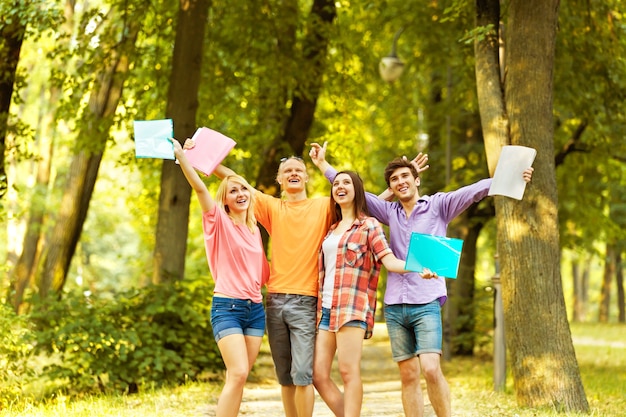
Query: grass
pixel 601 354
pixel 600 349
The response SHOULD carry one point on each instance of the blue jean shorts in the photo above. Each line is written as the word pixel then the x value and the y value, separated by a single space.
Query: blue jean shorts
pixel 291 322
pixel 414 329
pixel 235 316
pixel 325 321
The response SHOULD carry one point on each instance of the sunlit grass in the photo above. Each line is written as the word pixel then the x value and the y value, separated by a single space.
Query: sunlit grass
pixel 601 354
pixel 191 399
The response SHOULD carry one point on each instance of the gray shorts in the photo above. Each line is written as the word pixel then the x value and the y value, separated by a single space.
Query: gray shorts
pixel 291 321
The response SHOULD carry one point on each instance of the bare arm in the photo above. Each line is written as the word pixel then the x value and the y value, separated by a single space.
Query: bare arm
pixel 206 201
pixel 394 264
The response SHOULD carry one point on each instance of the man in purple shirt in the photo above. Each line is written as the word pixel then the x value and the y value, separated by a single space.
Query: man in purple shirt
pixel 413 304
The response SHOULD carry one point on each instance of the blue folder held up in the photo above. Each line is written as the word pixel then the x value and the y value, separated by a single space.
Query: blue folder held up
pixel 152 139
pixel 440 254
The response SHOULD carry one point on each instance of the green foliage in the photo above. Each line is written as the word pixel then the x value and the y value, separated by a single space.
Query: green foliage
pixel 155 336
pixel 15 350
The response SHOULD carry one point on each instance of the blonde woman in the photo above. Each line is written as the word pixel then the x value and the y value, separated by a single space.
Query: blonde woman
pixel 238 265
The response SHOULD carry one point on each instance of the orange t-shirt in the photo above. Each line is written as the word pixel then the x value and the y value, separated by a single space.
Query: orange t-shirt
pixel 296 230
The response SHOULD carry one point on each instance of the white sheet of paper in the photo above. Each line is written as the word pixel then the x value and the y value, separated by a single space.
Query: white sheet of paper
pixel 508 180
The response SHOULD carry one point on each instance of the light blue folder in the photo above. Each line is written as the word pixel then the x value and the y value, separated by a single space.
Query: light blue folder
pixel 152 138
pixel 438 253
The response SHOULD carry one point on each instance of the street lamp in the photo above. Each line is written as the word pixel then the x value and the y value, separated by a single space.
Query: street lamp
pixel 391 66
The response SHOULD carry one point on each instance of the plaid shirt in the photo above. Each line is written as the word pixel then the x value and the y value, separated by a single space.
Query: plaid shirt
pixel 357 270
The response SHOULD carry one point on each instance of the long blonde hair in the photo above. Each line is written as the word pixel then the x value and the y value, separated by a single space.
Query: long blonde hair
pixel 220 198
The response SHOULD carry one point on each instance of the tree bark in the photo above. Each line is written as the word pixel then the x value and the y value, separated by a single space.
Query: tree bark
pixel 619 281
pixel 607 279
pixel 538 338
pixel 25 268
pixel 182 104
pixel 304 100
pixel 83 172
pixel 461 314
pixel 11 38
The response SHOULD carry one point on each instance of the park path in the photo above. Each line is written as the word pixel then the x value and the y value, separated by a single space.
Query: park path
pixel 381 385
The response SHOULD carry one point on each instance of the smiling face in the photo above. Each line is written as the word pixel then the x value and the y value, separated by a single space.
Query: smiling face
pixel 237 197
pixel 292 176
pixel 343 190
pixel 403 184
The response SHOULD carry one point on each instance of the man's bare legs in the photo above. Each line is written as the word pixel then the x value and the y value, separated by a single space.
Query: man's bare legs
pixel 298 401
pixel 412 398
pixel 436 385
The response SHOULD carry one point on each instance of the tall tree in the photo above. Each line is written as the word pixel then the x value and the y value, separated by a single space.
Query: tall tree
pixel 25 267
pixel 517 109
pixel 12 30
pixel 306 94
pixel 121 29
pixel 182 106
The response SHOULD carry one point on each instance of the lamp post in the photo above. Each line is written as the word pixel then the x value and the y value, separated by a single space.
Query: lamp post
pixel 391 66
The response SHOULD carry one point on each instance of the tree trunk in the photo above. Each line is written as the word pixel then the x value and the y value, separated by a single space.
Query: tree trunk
pixel 577 299
pixel 619 281
pixel 304 100
pixel 25 267
pixel 538 338
pixel 11 36
pixel 182 105
pixel 460 314
pixel 85 164
pixel 607 279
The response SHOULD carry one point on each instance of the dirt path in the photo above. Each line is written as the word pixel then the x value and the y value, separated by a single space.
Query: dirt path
pixel 381 385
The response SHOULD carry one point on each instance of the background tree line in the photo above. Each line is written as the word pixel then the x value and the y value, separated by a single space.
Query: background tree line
pixel 82 214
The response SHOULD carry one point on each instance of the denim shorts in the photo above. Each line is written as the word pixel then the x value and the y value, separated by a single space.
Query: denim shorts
pixel 414 329
pixel 235 316
pixel 325 321
pixel 291 321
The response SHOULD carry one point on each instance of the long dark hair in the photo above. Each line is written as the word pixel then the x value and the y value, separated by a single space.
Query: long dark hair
pixel 360 203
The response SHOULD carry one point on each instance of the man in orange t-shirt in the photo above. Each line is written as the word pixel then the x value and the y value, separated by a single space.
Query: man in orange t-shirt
pixel 297 225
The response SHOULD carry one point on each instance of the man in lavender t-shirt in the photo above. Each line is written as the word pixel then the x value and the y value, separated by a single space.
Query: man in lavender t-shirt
pixel 413 304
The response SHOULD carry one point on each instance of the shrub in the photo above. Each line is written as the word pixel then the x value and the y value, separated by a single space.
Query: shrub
pixel 15 351
pixel 154 336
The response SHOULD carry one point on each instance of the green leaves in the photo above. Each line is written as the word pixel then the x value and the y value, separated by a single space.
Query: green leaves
pixel 157 336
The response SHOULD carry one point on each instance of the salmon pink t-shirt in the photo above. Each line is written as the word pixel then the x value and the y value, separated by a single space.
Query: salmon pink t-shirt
pixel 236 256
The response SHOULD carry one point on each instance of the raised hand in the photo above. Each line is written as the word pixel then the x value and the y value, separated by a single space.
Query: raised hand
pixel 419 162
pixel 528 174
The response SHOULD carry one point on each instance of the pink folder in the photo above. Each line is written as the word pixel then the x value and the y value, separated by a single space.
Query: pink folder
pixel 210 149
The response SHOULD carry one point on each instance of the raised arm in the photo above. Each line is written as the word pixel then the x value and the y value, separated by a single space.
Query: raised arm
pixel 206 201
